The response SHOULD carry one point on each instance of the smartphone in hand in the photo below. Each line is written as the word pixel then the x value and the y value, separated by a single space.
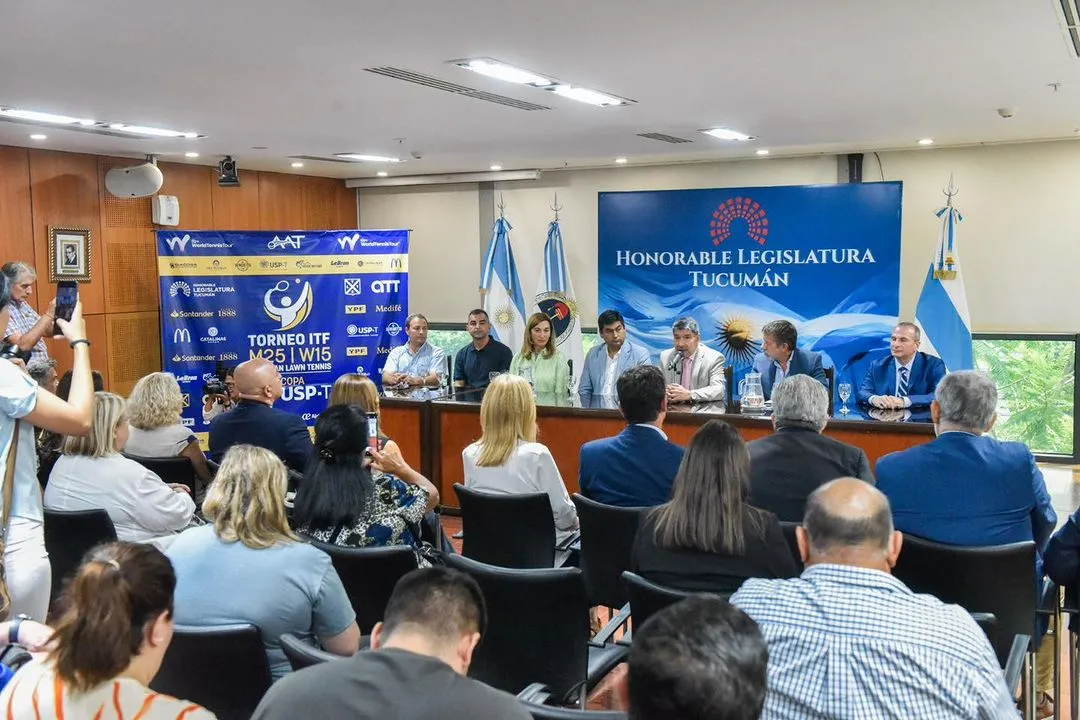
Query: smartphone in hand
pixel 67 295
pixel 373 430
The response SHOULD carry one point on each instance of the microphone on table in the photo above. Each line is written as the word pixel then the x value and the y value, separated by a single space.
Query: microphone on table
pixel 676 361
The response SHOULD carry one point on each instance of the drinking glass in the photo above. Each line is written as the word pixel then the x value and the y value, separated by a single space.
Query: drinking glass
pixel 845 394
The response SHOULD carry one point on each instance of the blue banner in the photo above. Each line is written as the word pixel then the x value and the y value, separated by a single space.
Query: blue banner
pixel 825 257
pixel 316 304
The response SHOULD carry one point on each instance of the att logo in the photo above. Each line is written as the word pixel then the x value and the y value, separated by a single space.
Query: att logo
pixel 385 286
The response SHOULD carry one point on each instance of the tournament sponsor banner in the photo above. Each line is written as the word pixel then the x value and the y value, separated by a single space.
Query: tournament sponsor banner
pixel 825 257
pixel 316 304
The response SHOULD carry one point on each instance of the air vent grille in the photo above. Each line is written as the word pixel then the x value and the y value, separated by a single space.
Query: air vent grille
pixel 437 84
pixel 664 138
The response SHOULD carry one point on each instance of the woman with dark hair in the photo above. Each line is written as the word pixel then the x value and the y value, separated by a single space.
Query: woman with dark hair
pixel 342 502
pixel 707 538
pixel 108 645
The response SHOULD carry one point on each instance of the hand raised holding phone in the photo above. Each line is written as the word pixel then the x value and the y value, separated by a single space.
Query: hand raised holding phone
pixel 69 321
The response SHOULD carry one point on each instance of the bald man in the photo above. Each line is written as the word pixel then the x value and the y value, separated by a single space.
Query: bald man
pixel 255 420
pixel 848 640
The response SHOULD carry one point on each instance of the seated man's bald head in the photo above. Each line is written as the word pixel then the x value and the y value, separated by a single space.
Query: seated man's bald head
pixel 847 516
pixel 254 377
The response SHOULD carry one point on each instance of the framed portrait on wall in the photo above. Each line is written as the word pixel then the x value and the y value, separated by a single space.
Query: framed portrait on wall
pixel 69 254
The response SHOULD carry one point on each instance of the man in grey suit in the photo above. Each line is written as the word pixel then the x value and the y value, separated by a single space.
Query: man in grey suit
pixel 788 465
pixel 693 371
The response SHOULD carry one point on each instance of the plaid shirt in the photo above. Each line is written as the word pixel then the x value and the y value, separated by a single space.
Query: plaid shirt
pixel 848 642
pixel 23 319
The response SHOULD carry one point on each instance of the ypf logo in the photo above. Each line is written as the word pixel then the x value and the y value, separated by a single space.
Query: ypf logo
pixel 178 244
pixel 181 335
pixel 349 240
pixel 740 208
pixel 385 286
pixel 179 287
pixel 288 311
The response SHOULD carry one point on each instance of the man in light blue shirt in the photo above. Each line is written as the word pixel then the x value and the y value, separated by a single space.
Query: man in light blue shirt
pixel 605 363
pixel 417 363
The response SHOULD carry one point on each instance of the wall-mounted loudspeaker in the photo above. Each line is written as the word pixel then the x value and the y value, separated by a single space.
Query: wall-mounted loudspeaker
pixel 135 181
pixel 165 210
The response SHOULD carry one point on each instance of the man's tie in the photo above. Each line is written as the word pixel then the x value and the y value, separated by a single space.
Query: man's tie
pixel 687 372
pixel 901 384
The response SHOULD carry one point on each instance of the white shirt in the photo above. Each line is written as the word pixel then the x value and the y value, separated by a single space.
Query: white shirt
pixel 162 442
pixel 611 374
pixel 650 425
pixel 140 504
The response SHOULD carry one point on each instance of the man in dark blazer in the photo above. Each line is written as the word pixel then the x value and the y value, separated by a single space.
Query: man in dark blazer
pixel 905 379
pixel 636 467
pixel 255 421
pixel 781 358
pixel 788 465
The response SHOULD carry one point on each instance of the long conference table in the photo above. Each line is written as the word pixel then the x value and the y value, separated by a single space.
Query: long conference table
pixel 432 428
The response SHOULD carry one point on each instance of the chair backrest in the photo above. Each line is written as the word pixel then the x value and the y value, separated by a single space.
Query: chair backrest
pixel 547 712
pixel 729 383
pixel 830 377
pixel 997 579
pixel 222 668
pixel 538 627
pixel 369 576
pixel 788 529
pixel 302 654
pixel 607 537
pixel 648 598
pixel 69 535
pixel 513 531
pixel 172 469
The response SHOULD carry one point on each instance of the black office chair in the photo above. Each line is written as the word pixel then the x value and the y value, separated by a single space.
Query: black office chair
pixel 534 697
pixel 512 531
pixel 222 668
pixel 788 529
pixel 830 377
pixel 69 535
pixel 647 598
pixel 607 537
pixel 538 631
pixel 303 654
pixel 172 470
pixel 369 576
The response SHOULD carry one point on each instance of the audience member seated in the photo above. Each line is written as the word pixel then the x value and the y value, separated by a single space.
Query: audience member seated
pixel 416 669
pixel 636 467
pixel 780 357
pixel 249 567
pixel 360 391
pixel 93 474
pixel 342 502
pixel 154 409
pixel 847 640
pixel 108 646
pixel 507 460
pixel 906 378
pixel 477 362
pixel 255 420
pixel 43 372
pixel 606 362
pixel 707 538
pixel 788 465
pixel 215 404
pixel 417 363
pixel 693 371
pixel 540 362
pixel 49 443
pixel 699 658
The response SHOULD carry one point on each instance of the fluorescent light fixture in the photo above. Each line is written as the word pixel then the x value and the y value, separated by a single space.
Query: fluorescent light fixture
pixel 620 161
pixel 496 167
pixel 43 117
pixel 445 179
pixel 367 158
pixel 297 164
pixel 586 96
pixel 151 131
pixel 926 141
pixel 39 136
pixel 727 134
pixel 502 71
pixel 191 154
pixel 763 151
pixel 382 173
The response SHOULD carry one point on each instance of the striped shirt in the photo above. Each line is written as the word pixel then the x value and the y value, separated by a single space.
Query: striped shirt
pixel 849 642
pixel 36 693
pixel 22 320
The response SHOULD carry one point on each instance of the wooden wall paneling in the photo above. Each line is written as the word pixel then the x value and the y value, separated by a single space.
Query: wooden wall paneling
pixel 129 256
pixel 320 203
pixel 16 220
pixel 193 187
pixel 134 348
pixel 99 348
pixel 345 216
pixel 65 193
pixel 234 208
pixel 281 201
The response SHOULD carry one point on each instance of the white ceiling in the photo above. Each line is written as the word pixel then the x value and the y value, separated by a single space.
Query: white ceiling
pixel 803 77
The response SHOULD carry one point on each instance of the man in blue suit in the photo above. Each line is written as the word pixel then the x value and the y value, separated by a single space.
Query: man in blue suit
pixel 636 467
pixel 606 362
pixel 780 357
pixel 905 379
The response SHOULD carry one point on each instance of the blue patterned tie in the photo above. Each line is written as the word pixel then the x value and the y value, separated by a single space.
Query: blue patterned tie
pixel 901 384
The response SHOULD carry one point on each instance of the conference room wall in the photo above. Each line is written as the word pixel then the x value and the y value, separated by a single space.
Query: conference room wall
pixel 41 188
pixel 1016 246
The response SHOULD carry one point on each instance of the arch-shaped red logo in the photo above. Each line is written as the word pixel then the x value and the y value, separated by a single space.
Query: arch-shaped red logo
pixel 757 223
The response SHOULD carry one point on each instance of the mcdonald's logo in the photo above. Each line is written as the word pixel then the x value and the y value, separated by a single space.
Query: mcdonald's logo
pixel 181 335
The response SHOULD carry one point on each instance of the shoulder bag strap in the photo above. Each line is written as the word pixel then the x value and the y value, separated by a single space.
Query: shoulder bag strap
pixel 9 479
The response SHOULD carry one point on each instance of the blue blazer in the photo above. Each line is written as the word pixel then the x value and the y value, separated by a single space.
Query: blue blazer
pixel 802 362
pixel 926 373
pixel 633 469
pixel 592 374
pixel 963 489
pixel 255 423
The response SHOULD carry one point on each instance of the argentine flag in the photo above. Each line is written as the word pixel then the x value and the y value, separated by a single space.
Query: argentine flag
pixel 942 311
pixel 555 297
pixel 501 289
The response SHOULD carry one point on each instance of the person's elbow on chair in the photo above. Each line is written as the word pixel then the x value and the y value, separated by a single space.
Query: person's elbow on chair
pixel 345 643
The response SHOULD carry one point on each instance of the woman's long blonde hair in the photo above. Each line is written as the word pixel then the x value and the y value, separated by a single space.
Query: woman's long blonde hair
pixel 156 401
pixel 246 501
pixel 527 347
pixel 354 389
pixel 109 412
pixel 507 415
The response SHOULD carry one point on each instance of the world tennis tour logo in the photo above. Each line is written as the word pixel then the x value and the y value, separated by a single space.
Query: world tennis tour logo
pixel 739 208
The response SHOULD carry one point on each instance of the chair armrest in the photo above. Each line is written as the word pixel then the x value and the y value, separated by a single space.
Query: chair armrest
pixel 565 544
pixel 608 631
pixel 536 693
pixel 1049 595
pixel 1014 666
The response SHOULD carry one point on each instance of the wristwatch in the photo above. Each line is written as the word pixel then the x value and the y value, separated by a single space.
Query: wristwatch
pixel 13 630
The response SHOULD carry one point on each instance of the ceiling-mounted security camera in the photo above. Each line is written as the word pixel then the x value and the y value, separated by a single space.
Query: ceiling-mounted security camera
pixel 227 173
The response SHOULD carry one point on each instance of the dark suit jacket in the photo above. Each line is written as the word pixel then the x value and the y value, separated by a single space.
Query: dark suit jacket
pixel 633 469
pixel 255 423
pixel 962 489
pixel 926 373
pixel 802 362
pixel 788 465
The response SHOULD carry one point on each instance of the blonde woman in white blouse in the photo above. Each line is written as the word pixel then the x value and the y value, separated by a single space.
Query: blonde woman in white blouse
pixel 507 460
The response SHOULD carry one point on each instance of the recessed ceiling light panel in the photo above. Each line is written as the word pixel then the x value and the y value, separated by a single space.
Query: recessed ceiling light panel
pixel 728 134
pixel 357 157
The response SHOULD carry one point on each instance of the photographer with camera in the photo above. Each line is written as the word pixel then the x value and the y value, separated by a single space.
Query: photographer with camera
pixel 219 396
pixel 23 406
pixel 26 329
